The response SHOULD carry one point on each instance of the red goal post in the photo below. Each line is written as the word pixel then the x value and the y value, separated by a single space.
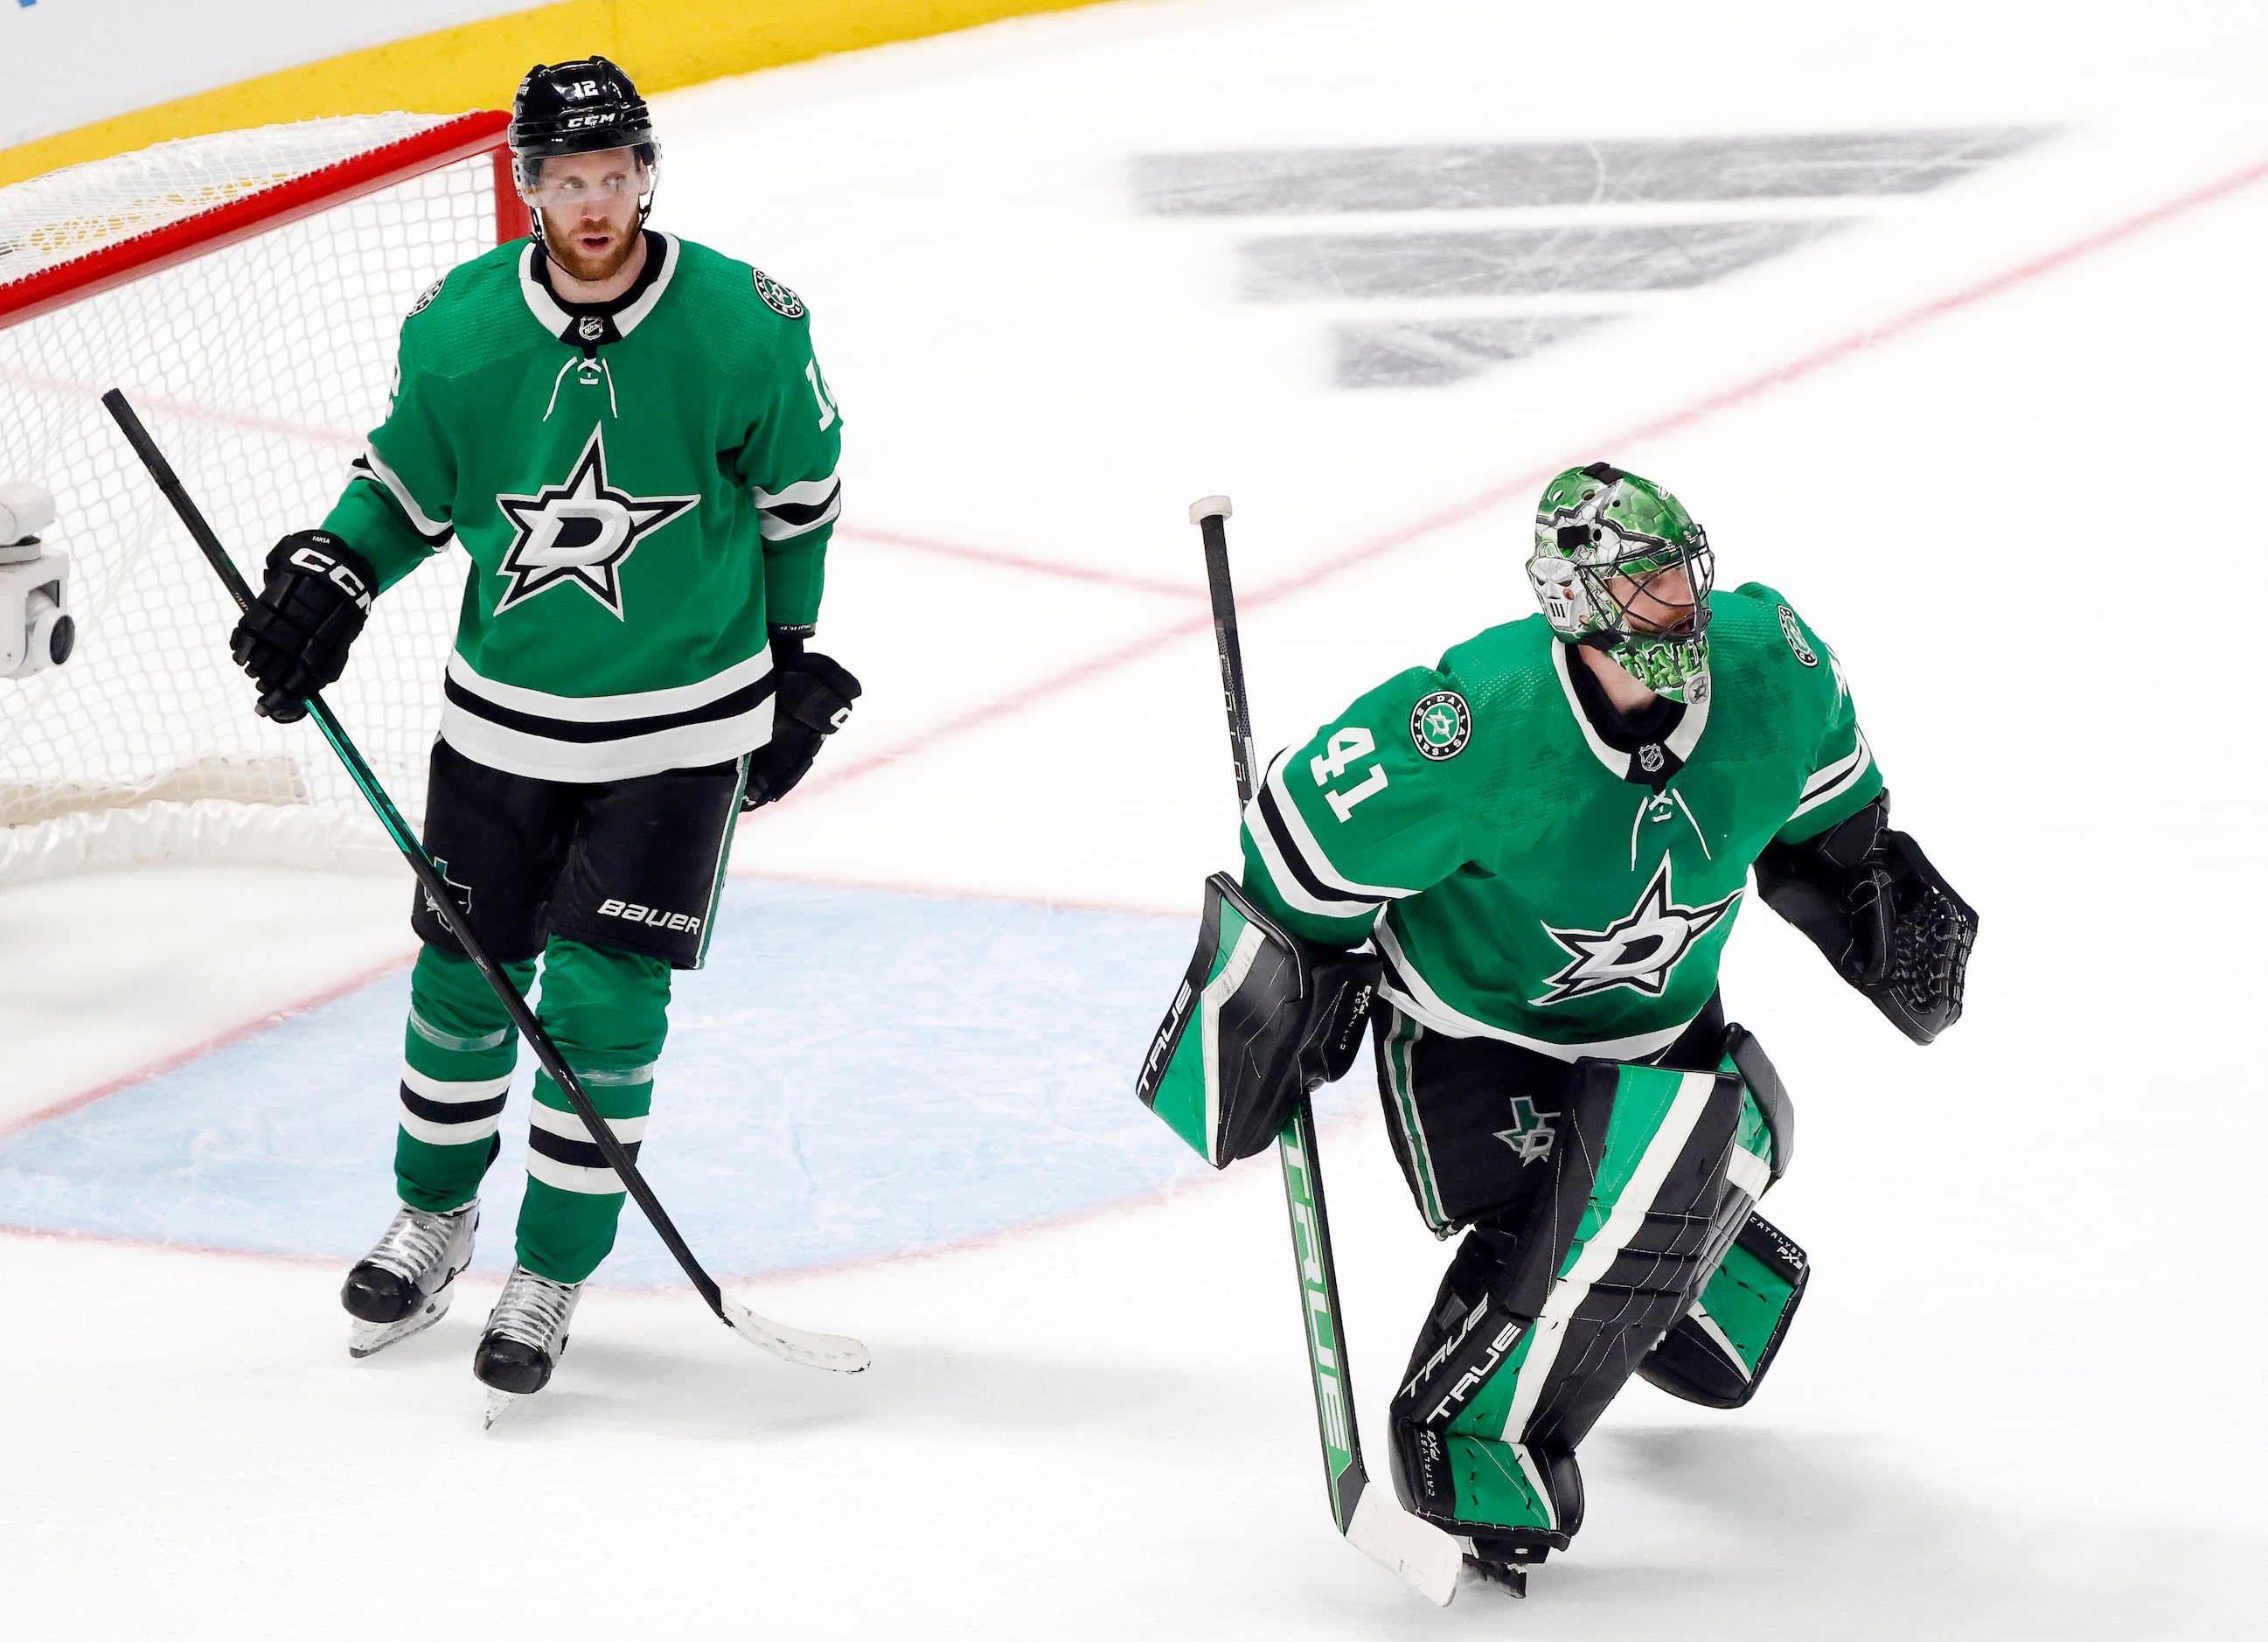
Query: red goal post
pixel 244 290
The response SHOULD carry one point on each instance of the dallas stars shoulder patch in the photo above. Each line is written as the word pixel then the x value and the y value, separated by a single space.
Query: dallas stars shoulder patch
pixel 1793 631
pixel 1441 724
pixel 778 297
pixel 579 532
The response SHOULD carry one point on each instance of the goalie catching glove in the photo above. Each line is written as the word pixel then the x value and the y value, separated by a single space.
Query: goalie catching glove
pixel 1260 1018
pixel 813 702
pixel 1886 920
pixel 293 639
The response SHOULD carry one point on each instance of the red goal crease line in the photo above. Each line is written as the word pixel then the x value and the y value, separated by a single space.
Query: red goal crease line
pixel 464 137
pixel 1028 695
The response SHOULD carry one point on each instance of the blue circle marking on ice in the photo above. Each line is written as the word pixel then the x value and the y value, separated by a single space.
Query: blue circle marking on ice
pixel 856 1073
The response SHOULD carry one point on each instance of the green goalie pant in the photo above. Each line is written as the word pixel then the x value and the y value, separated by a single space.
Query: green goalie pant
pixel 1541 1321
pixel 608 1010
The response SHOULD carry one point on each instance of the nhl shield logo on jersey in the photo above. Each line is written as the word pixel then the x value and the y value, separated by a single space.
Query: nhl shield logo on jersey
pixel 778 297
pixel 579 532
pixel 1638 950
pixel 1441 724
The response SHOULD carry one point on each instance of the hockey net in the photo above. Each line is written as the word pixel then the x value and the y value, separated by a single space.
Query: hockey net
pixel 245 291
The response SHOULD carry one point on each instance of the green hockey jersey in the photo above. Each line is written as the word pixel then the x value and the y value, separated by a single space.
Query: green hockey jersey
pixel 641 491
pixel 1534 875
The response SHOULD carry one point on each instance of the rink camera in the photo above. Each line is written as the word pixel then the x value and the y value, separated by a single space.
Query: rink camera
pixel 36 630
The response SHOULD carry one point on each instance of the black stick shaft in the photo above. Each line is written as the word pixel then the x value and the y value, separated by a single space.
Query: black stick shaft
pixel 438 894
pixel 1295 1145
pixel 1232 655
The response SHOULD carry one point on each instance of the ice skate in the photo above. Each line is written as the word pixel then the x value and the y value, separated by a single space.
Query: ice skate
pixel 405 1283
pixel 526 1333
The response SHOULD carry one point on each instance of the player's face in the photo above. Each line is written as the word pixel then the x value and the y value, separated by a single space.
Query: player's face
pixel 590 206
pixel 1660 603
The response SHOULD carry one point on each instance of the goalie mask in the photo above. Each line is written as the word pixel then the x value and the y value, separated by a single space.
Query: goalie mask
pixel 1620 565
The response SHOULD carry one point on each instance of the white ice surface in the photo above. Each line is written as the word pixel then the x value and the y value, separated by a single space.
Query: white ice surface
pixel 2022 1396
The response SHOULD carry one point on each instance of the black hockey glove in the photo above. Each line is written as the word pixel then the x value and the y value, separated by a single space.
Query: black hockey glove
pixel 293 639
pixel 813 703
pixel 1892 927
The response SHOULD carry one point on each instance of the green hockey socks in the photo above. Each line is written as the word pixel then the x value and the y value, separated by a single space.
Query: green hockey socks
pixel 608 1010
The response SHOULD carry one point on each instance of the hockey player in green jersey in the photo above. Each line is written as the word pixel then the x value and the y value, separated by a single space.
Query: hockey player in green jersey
pixel 629 435
pixel 1549 838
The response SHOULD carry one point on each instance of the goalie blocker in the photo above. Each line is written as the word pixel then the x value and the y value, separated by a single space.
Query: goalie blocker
pixel 1260 1019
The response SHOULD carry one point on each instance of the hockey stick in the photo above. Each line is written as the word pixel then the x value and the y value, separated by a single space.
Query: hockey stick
pixel 1371 1521
pixel 835 1351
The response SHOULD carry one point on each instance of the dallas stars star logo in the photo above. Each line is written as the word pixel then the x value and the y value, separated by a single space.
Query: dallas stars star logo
pixel 1638 950
pixel 1530 1135
pixel 579 532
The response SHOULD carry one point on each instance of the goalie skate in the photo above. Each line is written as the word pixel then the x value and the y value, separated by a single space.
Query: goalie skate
pixel 405 1283
pixel 526 1335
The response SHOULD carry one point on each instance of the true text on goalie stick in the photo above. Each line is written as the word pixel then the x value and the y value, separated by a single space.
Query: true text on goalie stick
pixel 1419 1552
pixel 837 1353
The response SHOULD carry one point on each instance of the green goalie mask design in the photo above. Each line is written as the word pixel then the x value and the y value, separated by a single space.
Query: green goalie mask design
pixel 1610 548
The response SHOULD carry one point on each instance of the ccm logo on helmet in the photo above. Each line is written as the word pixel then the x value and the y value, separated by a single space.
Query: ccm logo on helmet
pixel 322 564
pixel 652 918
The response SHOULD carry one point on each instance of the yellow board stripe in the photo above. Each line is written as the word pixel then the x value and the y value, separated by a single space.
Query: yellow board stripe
pixel 664 44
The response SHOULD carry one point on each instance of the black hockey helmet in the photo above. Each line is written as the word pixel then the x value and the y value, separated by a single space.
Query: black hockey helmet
pixel 581 107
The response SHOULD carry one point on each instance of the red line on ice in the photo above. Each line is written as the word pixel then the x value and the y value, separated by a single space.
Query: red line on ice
pixel 1019 561
pixel 234 1035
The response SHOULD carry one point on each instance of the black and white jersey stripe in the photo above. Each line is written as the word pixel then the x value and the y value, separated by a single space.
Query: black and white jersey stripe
pixel 1837 777
pixel 607 738
pixel 799 509
pixel 1302 873
pixel 433 531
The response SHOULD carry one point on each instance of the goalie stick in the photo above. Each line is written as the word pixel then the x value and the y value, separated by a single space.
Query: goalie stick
pixel 835 1352
pixel 1369 1517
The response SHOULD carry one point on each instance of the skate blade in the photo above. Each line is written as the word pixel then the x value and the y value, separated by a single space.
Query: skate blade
pixel 366 1339
pixel 1512 1580
pixel 498 1401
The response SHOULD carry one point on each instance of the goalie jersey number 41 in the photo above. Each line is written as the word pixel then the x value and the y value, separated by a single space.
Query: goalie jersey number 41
pixel 1526 878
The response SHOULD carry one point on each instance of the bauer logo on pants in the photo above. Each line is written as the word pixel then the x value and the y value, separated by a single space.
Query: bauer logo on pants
pixel 652 918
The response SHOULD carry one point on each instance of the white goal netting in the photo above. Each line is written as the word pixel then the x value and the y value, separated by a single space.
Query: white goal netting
pixel 260 366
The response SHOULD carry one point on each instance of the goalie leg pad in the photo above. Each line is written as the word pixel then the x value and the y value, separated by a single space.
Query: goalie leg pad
pixel 1720 1350
pixel 1260 1019
pixel 1716 1353
pixel 1539 1324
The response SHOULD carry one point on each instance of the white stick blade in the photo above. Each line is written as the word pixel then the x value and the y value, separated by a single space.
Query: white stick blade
pixel 1419 1552
pixel 1210 507
pixel 837 1353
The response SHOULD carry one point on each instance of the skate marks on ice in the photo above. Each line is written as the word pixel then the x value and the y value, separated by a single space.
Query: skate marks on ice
pixel 856 1074
pixel 1521 286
